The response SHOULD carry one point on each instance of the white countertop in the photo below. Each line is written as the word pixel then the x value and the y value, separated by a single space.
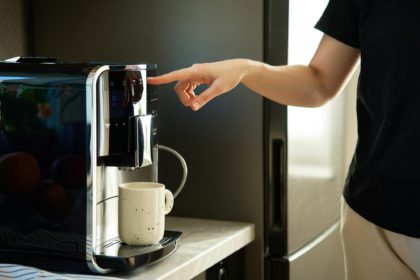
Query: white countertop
pixel 203 244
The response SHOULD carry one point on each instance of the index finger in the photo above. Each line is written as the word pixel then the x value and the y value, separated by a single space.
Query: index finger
pixel 173 76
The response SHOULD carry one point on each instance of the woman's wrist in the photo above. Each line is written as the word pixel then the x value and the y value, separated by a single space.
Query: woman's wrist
pixel 249 69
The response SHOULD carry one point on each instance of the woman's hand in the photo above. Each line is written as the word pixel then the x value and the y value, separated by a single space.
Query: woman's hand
pixel 298 85
pixel 220 77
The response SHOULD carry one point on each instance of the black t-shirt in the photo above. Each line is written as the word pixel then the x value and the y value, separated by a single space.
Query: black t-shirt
pixel 383 184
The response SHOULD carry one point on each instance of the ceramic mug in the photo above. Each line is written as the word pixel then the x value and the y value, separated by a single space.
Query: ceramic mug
pixel 142 207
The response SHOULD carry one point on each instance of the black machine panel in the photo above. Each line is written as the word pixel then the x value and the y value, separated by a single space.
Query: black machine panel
pixel 43 146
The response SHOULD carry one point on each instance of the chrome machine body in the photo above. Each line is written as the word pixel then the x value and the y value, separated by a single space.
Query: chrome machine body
pixel 80 129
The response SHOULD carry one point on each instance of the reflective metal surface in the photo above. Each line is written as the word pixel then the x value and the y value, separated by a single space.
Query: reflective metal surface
pixel 144 128
pixel 58 200
pixel 103 200
pixel 91 199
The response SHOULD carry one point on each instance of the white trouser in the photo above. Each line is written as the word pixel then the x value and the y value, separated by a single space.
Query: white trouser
pixel 373 253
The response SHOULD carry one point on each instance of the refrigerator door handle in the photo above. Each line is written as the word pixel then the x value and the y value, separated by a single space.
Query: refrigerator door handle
pixel 278 184
pixel 277 199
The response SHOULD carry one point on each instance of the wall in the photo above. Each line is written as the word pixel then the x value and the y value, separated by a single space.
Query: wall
pixel 13 35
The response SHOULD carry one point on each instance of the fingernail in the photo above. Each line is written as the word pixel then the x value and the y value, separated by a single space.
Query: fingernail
pixel 195 106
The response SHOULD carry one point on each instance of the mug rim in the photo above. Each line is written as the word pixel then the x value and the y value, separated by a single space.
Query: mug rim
pixel 141 186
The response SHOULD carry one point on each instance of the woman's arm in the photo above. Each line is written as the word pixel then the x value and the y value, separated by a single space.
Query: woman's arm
pixel 297 85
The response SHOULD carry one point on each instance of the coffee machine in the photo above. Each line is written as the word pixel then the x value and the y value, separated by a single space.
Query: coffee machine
pixel 70 133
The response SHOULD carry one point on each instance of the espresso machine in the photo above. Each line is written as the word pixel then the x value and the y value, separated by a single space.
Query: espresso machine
pixel 70 133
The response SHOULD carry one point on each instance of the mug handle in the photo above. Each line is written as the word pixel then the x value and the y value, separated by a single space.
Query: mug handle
pixel 169 201
pixel 184 167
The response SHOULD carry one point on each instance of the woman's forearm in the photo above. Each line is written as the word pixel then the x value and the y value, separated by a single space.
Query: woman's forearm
pixel 296 85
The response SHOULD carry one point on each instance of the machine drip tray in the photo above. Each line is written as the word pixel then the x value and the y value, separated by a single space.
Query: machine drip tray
pixel 117 255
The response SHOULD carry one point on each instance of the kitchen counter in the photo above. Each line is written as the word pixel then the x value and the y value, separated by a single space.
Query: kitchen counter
pixel 203 244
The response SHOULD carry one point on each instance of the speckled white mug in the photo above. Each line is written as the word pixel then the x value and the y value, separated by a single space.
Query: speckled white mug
pixel 142 207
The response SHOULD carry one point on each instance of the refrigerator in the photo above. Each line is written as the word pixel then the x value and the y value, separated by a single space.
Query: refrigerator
pixel 247 160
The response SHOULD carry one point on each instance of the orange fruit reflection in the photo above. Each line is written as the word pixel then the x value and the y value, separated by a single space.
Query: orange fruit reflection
pixel 19 172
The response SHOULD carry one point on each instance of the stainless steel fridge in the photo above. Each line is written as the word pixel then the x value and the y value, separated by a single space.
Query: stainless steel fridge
pixel 244 163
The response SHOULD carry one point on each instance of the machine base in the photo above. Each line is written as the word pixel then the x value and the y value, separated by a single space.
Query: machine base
pixel 116 255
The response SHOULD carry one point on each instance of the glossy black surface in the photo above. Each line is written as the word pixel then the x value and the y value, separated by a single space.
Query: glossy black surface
pixel 43 147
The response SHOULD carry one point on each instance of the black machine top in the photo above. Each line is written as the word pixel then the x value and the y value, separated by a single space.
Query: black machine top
pixel 47 65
